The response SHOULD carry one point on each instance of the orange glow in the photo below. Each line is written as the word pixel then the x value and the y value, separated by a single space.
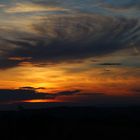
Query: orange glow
pixel 53 79
pixel 41 101
pixel 58 51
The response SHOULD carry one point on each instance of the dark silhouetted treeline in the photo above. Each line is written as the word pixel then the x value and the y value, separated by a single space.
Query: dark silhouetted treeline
pixel 71 122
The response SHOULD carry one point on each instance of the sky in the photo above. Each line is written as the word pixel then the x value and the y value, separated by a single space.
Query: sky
pixel 78 51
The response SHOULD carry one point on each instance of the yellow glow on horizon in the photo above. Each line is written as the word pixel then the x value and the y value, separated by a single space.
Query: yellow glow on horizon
pixel 41 101
pixel 58 78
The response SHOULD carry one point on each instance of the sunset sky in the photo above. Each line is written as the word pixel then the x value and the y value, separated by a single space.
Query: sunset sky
pixel 83 51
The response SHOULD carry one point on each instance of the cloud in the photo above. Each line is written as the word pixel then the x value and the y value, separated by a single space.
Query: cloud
pixel 66 93
pixel 29 93
pixel 103 99
pixel 11 95
pixel 135 90
pixel 27 7
pixel 2 5
pixel 110 64
pixel 68 38
pixel 128 8
pixel 122 4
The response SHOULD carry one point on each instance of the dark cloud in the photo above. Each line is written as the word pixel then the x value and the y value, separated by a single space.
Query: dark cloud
pixel 112 100
pixel 29 93
pixel 48 2
pixel 66 93
pixel 31 88
pixel 10 95
pixel 136 90
pixel 110 64
pixel 69 38
pixel 103 99
pixel 5 63
pixel 124 3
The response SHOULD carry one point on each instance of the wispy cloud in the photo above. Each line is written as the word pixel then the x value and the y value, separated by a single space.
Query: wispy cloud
pixel 61 38
pixel 32 7
pixel 2 5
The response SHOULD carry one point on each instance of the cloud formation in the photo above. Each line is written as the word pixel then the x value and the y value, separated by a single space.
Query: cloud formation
pixel 125 4
pixel 65 38
pixel 11 95
pixel 88 43
pixel 110 64
pixel 29 93
pixel 32 7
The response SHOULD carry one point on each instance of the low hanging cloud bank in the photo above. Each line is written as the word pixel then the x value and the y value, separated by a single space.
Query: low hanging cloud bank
pixel 29 93
pixel 67 38
pixel 11 96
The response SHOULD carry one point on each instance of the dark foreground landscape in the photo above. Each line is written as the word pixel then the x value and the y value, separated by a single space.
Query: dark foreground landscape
pixel 71 122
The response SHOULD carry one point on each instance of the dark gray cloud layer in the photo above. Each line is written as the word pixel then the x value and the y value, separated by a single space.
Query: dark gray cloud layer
pixel 110 64
pixel 29 93
pixel 124 3
pixel 66 38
